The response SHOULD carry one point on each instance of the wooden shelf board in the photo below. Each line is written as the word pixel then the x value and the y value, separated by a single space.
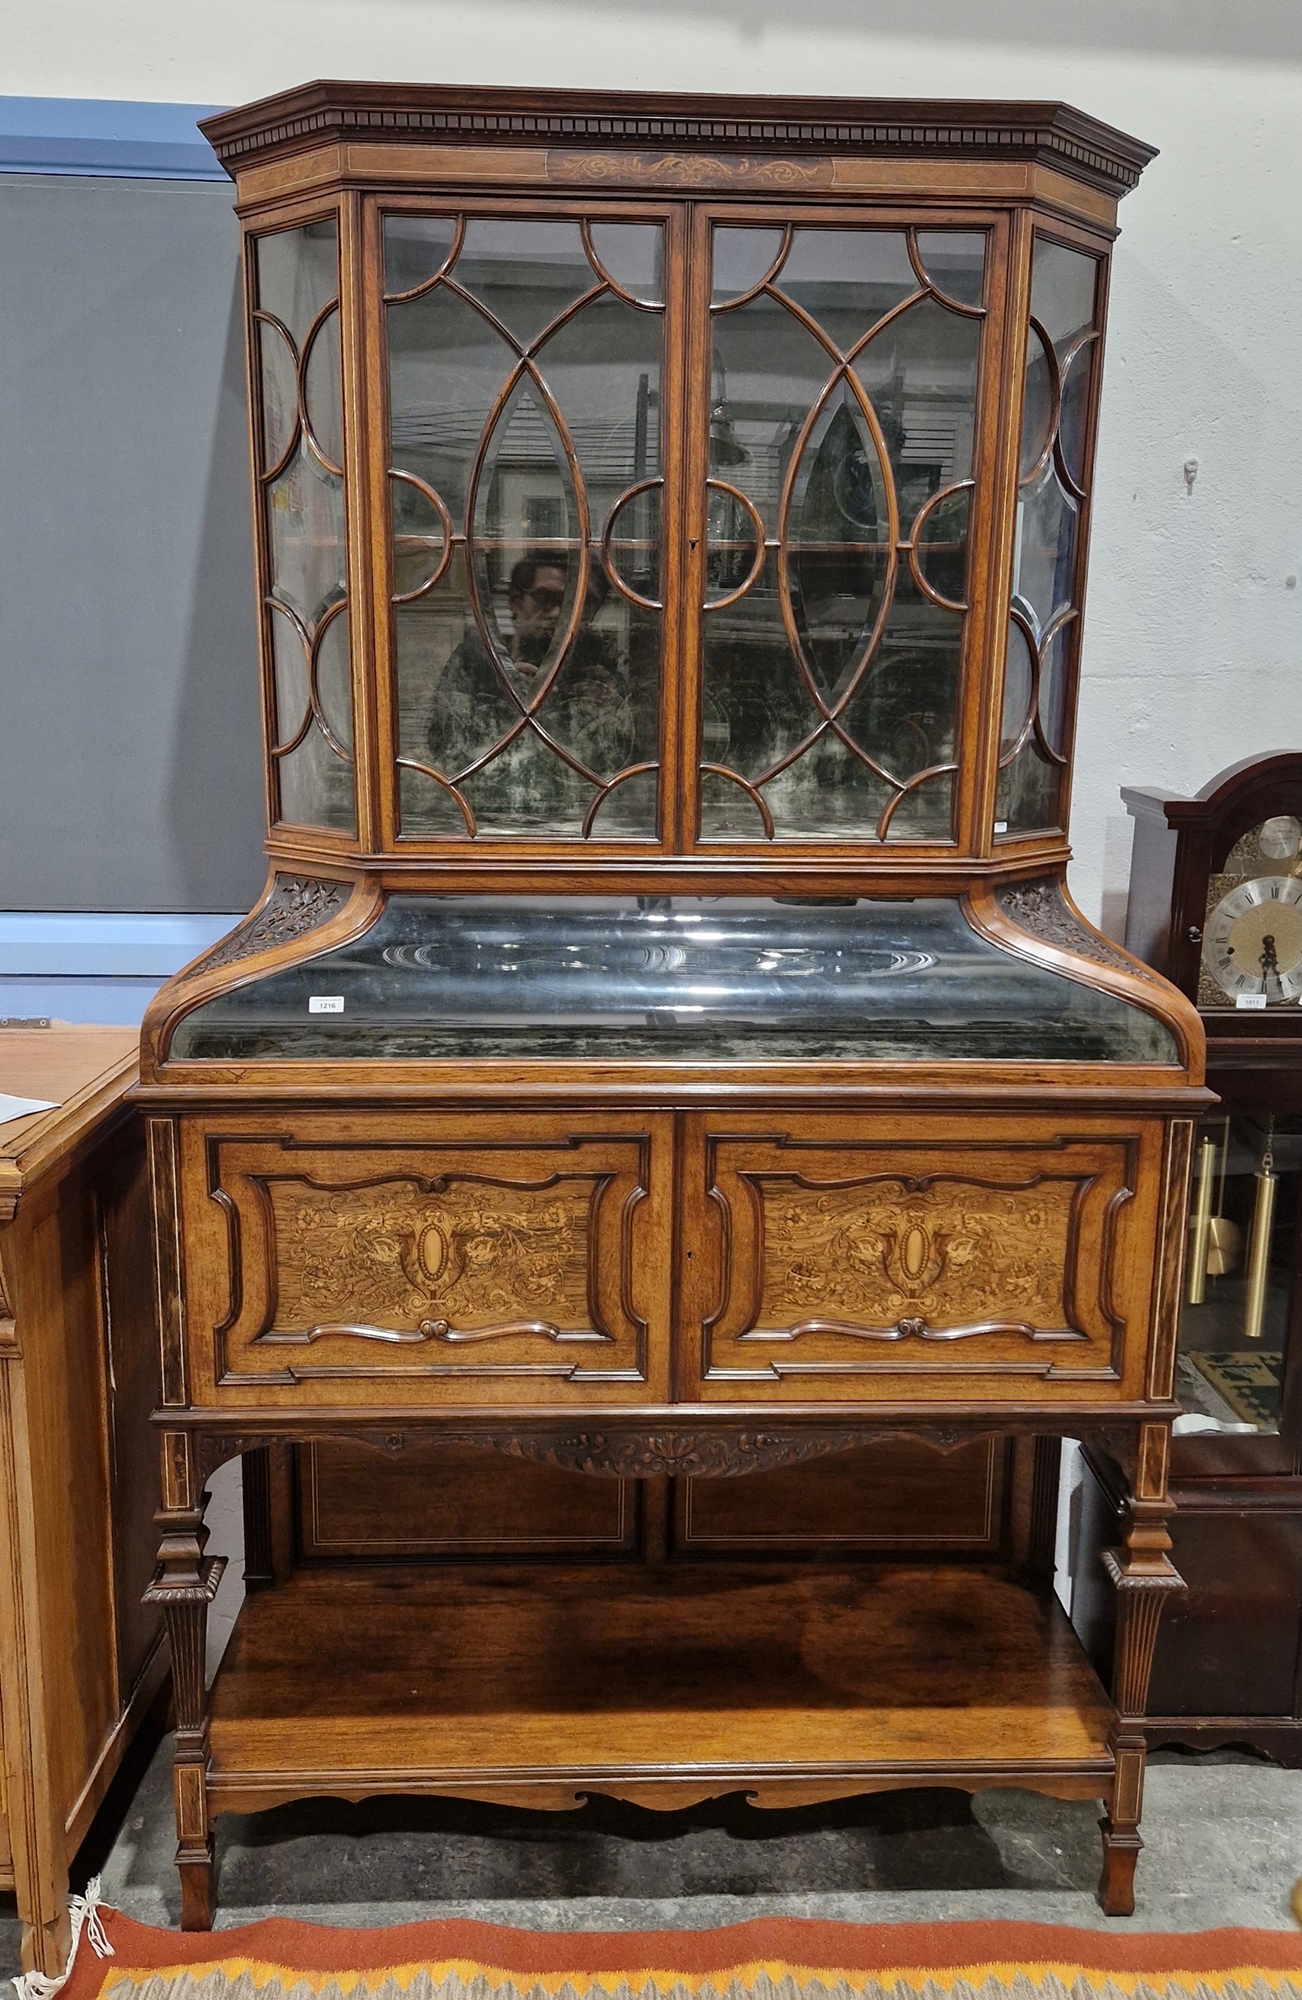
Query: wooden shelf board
pixel 480 1680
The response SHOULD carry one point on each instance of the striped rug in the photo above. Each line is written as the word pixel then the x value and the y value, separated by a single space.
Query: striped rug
pixel 769 1959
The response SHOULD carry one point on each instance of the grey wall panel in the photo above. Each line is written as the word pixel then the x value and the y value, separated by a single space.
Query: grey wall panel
pixel 130 764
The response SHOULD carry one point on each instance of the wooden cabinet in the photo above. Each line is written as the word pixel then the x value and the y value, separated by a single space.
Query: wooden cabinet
pixel 81 1658
pixel 666 1050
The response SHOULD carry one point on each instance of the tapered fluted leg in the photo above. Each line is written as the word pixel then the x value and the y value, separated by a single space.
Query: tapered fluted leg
pixel 184 1585
pixel 1144 1579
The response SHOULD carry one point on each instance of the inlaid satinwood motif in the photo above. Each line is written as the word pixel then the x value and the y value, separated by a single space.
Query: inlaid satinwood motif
pixel 451 1261
pixel 946 1258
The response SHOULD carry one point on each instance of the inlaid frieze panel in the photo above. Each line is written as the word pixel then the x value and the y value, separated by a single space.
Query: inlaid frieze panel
pixel 902 1264
pixel 450 1270
pixel 456 1262
pixel 914 1260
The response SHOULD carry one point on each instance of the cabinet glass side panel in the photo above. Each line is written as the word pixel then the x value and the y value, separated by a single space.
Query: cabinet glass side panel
pixel 842 412
pixel 668 979
pixel 300 447
pixel 1234 1328
pixel 525 483
pixel 1048 570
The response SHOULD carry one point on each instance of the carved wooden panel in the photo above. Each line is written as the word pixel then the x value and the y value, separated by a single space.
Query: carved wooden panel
pixel 408 1259
pixel 981 1257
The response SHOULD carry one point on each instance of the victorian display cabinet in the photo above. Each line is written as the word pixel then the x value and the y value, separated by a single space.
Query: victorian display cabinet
pixel 1216 905
pixel 666 1046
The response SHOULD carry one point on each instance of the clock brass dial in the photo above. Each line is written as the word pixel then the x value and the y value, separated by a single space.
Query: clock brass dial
pixel 1253 939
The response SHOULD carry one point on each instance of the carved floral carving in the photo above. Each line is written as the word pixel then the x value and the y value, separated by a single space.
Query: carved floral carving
pixel 1041 908
pixel 679 1454
pixel 295 906
pixel 445 1260
pixel 915 1262
pixel 718 1453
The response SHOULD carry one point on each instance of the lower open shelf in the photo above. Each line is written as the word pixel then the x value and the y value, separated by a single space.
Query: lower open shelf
pixel 658 1684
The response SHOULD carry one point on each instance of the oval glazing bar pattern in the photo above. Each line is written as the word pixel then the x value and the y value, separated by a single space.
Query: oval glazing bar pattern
pixel 1044 616
pixel 842 413
pixel 525 479
pixel 300 468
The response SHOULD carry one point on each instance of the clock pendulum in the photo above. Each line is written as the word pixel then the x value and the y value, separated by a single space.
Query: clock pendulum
pixel 1263 1215
pixel 1224 1238
pixel 1200 1223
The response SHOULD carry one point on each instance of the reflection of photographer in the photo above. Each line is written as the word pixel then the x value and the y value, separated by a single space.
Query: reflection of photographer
pixel 586 710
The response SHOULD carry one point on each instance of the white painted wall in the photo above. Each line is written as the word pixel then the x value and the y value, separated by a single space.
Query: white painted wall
pixel 1193 653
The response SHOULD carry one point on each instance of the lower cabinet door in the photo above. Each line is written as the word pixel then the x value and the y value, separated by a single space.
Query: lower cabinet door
pixel 904 1259
pixel 393 1258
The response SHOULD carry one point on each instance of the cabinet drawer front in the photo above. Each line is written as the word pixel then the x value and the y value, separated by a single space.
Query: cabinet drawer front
pixel 902 1264
pixel 444 1262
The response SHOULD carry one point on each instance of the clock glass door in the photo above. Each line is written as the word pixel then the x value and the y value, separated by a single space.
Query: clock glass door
pixel 1240 1306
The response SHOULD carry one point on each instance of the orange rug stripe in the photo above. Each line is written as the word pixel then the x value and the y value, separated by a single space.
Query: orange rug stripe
pixel 314 1956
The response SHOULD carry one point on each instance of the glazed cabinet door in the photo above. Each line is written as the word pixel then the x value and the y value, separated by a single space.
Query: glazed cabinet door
pixel 406 1258
pixel 896 1259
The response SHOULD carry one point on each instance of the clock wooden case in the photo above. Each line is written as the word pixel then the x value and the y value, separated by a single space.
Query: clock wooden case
pixel 1213 904
pixel 666 1046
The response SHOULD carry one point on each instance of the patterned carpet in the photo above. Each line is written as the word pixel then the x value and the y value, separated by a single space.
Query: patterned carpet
pixel 771 1959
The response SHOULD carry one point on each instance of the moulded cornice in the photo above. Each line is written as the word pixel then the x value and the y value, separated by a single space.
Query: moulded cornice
pixel 1050 134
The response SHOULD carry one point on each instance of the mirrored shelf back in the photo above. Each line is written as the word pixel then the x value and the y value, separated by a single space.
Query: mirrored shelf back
pixel 649 489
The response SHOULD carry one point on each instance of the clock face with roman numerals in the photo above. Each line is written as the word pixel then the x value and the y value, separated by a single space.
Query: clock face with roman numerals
pixel 1252 936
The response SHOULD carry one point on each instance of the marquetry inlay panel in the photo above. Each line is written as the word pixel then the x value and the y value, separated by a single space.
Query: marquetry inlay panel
pixel 949 1258
pixel 450 1262
pixel 469 1267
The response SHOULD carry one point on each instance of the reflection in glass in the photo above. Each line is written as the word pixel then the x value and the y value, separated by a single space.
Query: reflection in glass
pixel 955 261
pixel 1230 1371
pixel 526 513
pixel 1019 691
pixel 1037 405
pixel 1046 549
pixel 842 413
pixel 525 272
pixel 632 255
pixel 1060 345
pixel 742 260
pixel 942 544
pixel 415 249
pixel 300 424
pixel 725 979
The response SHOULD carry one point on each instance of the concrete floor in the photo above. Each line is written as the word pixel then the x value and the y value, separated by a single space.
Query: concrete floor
pixel 1223 1833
